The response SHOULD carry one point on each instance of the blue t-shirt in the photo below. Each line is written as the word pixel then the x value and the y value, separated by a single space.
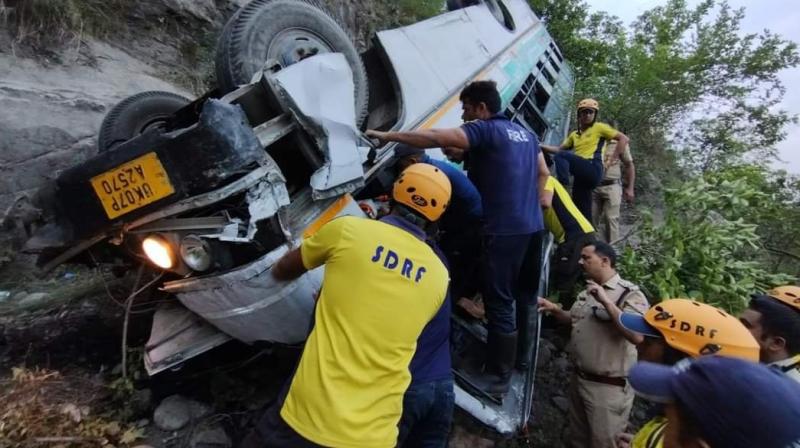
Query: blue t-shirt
pixel 465 201
pixel 431 360
pixel 504 161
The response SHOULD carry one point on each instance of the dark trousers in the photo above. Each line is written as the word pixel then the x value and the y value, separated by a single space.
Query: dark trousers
pixel 271 431
pixel 462 248
pixel 565 269
pixel 587 174
pixel 427 414
pixel 511 267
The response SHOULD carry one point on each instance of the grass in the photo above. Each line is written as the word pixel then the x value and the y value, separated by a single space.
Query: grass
pixel 58 22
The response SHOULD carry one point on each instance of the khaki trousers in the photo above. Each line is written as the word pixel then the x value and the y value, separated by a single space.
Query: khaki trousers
pixel 598 412
pixel 606 201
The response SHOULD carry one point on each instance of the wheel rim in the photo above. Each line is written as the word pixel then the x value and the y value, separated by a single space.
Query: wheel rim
pixel 155 122
pixel 292 45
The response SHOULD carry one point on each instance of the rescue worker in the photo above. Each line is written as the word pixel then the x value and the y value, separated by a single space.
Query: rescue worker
pixel 676 329
pixel 383 283
pixel 571 231
pixel 429 401
pixel 459 228
pixel 509 172
pixel 585 163
pixel 602 349
pixel 774 320
pixel 716 401
pixel 607 197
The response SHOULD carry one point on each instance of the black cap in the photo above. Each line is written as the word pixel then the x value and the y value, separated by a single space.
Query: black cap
pixel 403 150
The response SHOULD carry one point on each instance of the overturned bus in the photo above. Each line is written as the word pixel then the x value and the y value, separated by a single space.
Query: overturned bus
pixel 213 191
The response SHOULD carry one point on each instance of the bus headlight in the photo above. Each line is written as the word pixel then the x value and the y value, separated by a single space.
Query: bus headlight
pixel 159 251
pixel 196 253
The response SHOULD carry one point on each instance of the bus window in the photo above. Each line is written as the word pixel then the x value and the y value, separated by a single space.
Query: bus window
pixel 540 96
pixel 553 64
pixel 548 76
pixel 534 120
pixel 557 52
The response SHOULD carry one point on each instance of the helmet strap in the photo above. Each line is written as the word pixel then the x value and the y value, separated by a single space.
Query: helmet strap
pixel 409 215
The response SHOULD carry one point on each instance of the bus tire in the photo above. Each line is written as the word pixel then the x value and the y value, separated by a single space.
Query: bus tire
pixel 136 114
pixel 453 5
pixel 280 30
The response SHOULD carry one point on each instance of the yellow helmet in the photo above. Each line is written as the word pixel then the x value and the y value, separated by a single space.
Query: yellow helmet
pixel 788 294
pixel 589 103
pixel 424 188
pixel 696 329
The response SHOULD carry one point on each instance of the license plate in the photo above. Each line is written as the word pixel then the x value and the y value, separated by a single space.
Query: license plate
pixel 132 185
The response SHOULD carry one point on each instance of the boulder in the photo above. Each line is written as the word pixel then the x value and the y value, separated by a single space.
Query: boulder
pixel 213 437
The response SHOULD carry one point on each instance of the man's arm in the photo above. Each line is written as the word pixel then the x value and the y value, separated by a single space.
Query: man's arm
pixel 425 138
pixel 546 199
pixel 544 174
pixel 289 267
pixel 630 177
pixel 622 143
pixel 552 149
pixel 600 294
pixel 556 311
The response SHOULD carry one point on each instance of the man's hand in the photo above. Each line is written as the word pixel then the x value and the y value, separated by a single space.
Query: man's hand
pixel 453 154
pixel 597 291
pixel 624 440
pixel 627 194
pixel 377 135
pixel 546 306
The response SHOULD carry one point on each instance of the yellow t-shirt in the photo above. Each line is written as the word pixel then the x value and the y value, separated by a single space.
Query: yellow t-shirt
pixel 651 435
pixel 590 143
pixel 381 287
pixel 563 218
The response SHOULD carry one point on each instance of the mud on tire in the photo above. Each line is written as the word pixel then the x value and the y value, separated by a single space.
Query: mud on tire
pixel 279 29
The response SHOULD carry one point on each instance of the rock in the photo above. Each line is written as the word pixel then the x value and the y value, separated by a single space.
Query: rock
pixel 461 438
pixel 199 410
pixel 562 403
pixel 4 295
pixel 562 366
pixel 34 300
pixel 173 413
pixel 176 411
pixel 214 437
pixel 143 446
pixel 544 356
pixel 140 402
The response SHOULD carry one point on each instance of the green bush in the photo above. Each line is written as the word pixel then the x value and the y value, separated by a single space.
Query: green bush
pixel 706 246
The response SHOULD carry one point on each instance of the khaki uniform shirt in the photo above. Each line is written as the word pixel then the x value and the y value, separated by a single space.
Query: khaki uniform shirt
pixel 790 367
pixel 614 171
pixel 597 346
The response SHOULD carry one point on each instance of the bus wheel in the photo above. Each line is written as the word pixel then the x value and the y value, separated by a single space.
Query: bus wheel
pixel 286 31
pixel 135 115
pixel 496 7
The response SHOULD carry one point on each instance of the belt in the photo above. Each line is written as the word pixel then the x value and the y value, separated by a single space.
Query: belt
pixel 618 381
pixel 606 182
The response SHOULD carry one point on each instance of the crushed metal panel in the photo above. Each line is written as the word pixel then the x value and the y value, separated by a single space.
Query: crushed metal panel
pixel 507 418
pixel 264 200
pixel 178 334
pixel 250 305
pixel 328 114
pixel 247 303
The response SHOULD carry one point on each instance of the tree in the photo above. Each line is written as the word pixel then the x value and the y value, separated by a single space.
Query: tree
pixel 675 61
pixel 698 97
pixel 708 243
